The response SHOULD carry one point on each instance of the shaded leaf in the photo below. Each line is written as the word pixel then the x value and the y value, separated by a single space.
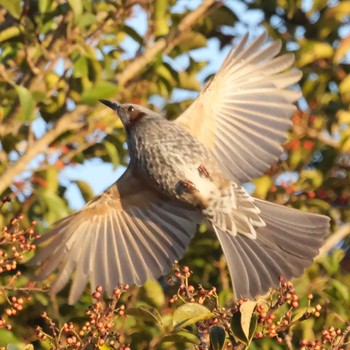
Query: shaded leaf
pixel 145 313
pixel 217 337
pixel 181 337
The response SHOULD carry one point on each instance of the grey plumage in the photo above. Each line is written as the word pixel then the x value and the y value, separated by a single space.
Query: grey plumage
pixel 182 172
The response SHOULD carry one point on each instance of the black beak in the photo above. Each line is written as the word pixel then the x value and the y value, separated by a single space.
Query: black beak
pixel 113 105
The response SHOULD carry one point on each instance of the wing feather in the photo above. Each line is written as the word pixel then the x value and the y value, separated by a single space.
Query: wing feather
pixel 128 234
pixel 247 103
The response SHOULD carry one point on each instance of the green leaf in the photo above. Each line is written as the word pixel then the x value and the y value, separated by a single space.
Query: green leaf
pixel 223 16
pixel 81 68
pixel 51 177
pixel 77 7
pixel 247 311
pixel 262 186
pixel 57 208
pixel 300 312
pixel 190 313
pixel 236 328
pixel 312 51
pixel 27 104
pixel 313 176
pixel 44 5
pixel 181 337
pixel 133 34
pixel 217 337
pixel 102 89
pixel 112 152
pixel 85 190
pixel 145 314
pixel 192 40
pixel 13 7
pixel 154 294
pixel 161 18
pixel 9 33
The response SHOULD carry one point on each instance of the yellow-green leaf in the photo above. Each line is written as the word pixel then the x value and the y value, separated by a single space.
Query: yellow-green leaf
pixel 191 313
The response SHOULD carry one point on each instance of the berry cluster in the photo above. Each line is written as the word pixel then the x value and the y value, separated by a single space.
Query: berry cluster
pixel 15 241
pixel 98 330
pixel 188 292
pixel 332 338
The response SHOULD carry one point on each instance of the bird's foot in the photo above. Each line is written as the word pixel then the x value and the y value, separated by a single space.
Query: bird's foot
pixel 186 185
pixel 204 172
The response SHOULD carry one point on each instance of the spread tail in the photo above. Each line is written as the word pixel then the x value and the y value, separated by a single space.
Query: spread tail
pixel 263 241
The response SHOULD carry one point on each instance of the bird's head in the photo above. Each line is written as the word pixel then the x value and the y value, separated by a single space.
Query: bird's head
pixel 129 113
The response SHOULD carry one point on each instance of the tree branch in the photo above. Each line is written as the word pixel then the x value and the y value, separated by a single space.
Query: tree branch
pixel 69 122
pixel 334 239
pixel 166 43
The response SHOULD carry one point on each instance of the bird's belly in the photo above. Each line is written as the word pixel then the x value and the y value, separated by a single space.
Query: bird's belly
pixel 179 176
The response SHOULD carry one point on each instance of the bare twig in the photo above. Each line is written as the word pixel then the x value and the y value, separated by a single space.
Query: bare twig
pixel 166 43
pixel 335 238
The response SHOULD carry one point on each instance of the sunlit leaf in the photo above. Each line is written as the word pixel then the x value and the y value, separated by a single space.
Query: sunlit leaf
pixel 161 17
pixel 9 33
pixel 190 313
pixel 27 104
pixel 77 7
pixel 153 294
pixel 13 7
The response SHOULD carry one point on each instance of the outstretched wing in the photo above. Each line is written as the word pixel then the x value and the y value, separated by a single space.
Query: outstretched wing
pixel 128 234
pixel 243 114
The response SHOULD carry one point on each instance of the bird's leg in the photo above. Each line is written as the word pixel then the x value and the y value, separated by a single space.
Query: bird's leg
pixel 186 185
pixel 204 172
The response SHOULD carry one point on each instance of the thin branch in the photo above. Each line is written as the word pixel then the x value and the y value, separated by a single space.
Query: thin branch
pixel 69 122
pixel 166 43
pixel 334 239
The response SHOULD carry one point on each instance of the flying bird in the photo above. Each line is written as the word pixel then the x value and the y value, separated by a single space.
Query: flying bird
pixel 184 171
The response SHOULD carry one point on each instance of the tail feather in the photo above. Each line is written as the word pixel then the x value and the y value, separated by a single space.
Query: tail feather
pixel 284 247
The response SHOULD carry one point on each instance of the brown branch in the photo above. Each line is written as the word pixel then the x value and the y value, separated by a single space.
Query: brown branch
pixel 334 239
pixel 69 122
pixel 166 43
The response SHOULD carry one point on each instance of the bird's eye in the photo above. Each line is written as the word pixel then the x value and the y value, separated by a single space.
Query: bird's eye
pixel 131 109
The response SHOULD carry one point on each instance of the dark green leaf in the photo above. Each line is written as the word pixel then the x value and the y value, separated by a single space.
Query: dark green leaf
pixel 217 337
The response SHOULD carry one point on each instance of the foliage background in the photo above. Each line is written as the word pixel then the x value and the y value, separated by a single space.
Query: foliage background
pixel 57 58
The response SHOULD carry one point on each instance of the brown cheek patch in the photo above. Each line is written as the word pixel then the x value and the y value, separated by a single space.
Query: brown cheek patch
pixel 135 117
